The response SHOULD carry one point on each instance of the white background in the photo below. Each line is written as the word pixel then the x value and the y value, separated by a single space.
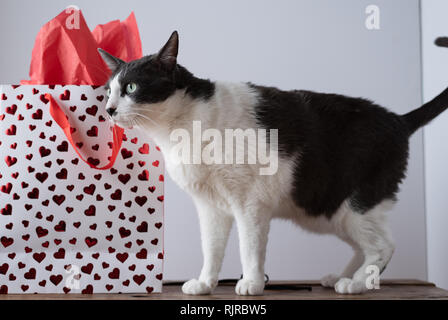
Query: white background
pixel 317 45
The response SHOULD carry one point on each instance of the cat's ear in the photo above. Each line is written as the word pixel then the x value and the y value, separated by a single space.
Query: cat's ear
pixel 112 62
pixel 167 56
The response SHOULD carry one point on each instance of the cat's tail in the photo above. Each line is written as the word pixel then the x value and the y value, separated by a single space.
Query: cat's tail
pixel 441 42
pixel 427 112
pixel 423 115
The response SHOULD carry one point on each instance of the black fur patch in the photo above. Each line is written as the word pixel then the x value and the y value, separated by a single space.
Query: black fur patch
pixel 155 84
pixel 346 148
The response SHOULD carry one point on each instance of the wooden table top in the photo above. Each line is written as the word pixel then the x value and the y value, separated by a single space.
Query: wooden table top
pixel 390 290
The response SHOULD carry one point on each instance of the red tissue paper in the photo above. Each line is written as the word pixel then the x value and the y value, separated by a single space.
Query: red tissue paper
pixel 65 50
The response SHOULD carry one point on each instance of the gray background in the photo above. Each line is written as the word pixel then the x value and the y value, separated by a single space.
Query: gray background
pixel 435 71
pixel 318 45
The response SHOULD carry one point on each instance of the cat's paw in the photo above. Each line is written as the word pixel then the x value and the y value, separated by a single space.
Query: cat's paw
pixel 329 280
pixel 350 286
pixel 249 287
pixel 196 287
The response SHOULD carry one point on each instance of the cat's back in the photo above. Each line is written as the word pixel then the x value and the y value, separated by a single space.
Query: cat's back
pixel 339 140
pixel 303 116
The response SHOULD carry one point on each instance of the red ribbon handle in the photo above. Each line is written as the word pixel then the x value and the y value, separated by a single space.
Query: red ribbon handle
pixel 61 119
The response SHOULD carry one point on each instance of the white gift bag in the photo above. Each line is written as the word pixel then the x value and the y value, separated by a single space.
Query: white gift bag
pixel 73 219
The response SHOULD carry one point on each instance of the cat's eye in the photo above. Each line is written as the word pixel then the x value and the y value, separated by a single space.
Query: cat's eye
pixel 108 92
pixel 131 87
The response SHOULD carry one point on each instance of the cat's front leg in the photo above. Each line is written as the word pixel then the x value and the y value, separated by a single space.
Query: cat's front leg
pixel 253 229
pixel 215 228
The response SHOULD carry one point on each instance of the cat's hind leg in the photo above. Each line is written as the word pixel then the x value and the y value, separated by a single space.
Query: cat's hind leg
pixel 370 233
pixel 330 280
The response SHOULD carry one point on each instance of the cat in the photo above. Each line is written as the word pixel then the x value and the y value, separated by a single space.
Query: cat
pixel 341 160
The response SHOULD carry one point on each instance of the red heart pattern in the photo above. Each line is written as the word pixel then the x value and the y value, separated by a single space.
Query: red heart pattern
pixel 57 212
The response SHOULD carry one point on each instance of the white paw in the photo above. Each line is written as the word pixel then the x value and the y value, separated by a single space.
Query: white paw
pixel 196 287
pixel 349 286
pixel 249 287
pixel 329 280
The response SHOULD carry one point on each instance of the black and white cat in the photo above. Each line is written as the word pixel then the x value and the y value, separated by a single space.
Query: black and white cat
pixel 341 161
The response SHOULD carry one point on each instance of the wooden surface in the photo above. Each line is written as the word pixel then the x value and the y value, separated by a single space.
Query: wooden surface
pixel 390 289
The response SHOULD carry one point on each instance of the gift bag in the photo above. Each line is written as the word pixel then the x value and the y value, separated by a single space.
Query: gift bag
pixel 81 200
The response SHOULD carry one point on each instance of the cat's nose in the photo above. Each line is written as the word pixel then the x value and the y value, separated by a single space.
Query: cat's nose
pixel 111 111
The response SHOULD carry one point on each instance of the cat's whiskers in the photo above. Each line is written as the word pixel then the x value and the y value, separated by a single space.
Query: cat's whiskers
pixel 144 117
pixel 145 110
pixel 138 122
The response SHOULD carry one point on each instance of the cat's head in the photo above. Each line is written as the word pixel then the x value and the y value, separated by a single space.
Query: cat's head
pixel 137 89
